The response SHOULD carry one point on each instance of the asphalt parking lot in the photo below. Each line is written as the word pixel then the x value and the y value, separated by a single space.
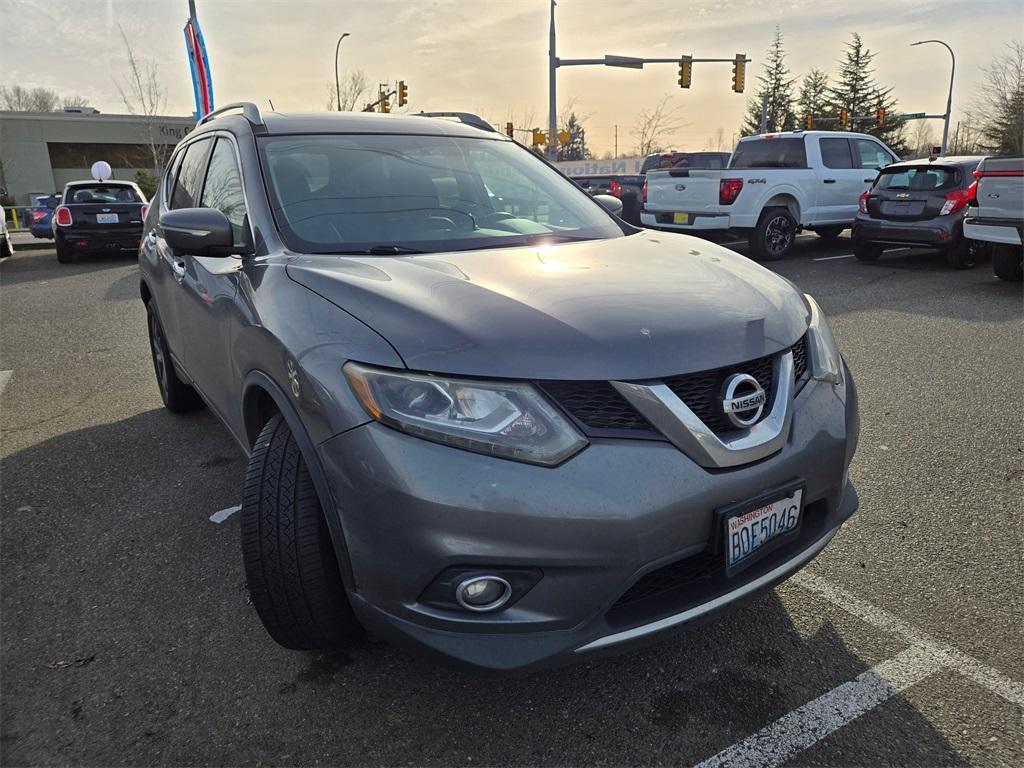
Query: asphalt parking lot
pixel 127 638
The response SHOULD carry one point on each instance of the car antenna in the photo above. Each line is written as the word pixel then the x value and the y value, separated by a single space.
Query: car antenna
pixel 271 103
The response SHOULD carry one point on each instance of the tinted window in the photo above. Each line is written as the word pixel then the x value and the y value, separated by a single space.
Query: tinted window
pixel 869 154
pixel 770 153
pixel 103 193
pixel 918 179
pixel 190 175
pixel 223 187
pixel 835 153
pixel 429 193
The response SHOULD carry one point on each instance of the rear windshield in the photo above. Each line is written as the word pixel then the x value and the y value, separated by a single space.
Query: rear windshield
pixel 351 193
pixel 770 153
pixel 102 193
pixel 696 160
pixel 917 179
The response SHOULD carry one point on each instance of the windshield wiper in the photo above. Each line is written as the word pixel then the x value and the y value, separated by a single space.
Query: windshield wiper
pixel 377 250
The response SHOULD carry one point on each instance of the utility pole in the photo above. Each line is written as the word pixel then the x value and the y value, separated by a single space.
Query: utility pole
pixel 764 113
pixel 616 140
pixel 552 69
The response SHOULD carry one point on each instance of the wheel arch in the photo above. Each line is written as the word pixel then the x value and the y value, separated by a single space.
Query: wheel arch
pixel 262 398
pixel 787 200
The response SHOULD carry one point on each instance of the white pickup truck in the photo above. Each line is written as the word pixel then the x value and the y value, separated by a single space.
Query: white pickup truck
pixel 775 185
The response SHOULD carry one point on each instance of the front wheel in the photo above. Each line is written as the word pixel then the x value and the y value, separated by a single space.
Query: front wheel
pixel 290 565
pixel 773 237
pixel 1007 262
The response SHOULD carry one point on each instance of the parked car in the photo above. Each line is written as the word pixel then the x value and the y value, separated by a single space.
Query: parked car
pixel 451 370
pixel 698 161
pixel 995 213
pixel 775 185
pixel 628 189
pixel 6 246
pixel 918 203
pixel 42 214
pixel 98 215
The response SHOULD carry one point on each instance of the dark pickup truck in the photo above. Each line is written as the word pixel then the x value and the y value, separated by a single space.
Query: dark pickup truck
pixel 98 215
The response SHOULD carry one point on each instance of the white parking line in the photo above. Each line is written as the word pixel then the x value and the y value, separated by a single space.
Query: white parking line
pixel 806 726
pixel 829 258
pixel 949 656
pixel 224 514
pixel 5 379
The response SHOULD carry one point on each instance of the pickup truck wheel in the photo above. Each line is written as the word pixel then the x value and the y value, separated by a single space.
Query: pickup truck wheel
pixel 865 250
pixel 290 565
pixel 178 396
pixel 774 235
pixel 963 255
pixel 1007 262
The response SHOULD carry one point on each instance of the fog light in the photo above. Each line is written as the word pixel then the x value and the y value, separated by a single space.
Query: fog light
pixel 483 593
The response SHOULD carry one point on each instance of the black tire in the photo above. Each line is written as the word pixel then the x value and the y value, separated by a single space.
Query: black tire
pixel 64 253
pixel 178 396
pixel 963 255
pixel 829 233
pixel 290 565
pixel 865 250
pixel 774 235
pixel 1007 262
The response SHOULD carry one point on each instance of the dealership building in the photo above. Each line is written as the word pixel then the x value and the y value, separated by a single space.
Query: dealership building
pixel 41 151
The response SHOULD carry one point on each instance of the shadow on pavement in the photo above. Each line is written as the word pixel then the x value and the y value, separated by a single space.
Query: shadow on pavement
pixel 43 265
pixel 128 639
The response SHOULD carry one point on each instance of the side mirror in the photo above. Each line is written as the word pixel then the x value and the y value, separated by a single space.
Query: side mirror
pixel 611 204
pixel 198 231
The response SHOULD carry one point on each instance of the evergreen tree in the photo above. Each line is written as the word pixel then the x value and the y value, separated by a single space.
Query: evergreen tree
pixel 813 98
pixel 777 85
pixel 576 149
pixel 856 91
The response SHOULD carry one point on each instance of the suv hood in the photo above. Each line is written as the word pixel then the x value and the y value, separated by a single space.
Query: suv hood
pixel 644 306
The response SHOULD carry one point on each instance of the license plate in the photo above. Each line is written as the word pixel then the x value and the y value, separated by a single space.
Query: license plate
pixel 748 532
pixel 106 218
pixel 680 218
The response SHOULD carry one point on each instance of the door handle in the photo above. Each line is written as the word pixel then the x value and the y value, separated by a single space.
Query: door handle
pixel 830 181
pixel 869 181
pixel 178 267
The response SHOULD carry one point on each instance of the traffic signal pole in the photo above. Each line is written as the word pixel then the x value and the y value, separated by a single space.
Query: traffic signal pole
pixel 628 62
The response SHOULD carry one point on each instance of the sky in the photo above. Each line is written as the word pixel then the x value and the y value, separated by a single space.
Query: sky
pixel 490 56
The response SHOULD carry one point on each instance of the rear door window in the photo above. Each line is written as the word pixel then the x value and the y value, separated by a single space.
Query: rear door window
pixel 770 153
pixel 835 153
pixel 190 175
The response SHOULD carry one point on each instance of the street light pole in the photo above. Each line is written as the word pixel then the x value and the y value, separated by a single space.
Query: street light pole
pixel 337 81
pixel 949 99
pixel 552 70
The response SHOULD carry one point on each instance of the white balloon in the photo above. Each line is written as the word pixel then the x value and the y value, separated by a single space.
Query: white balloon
pixel 101 170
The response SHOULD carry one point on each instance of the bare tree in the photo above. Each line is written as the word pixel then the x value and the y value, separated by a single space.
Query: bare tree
pixel 18 98
pixel 716 141
pixel 144 95
pixel 999 106
pixel 922 139
pixel 354 86
pixel 653 125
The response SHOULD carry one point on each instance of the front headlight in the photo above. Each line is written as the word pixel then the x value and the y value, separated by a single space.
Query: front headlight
pixel 507 419
pixel 826 363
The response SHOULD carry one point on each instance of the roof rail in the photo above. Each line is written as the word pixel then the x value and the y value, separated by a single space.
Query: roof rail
pixel 249 111
pixel 464 117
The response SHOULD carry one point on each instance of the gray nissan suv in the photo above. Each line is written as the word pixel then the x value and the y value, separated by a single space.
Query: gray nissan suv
pixel 484 417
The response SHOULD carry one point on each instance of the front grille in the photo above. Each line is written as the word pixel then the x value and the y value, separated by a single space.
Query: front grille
pixel 672 576
pixel 596 405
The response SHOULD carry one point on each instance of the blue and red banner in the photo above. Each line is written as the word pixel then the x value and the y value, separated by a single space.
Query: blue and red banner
pixel 202 81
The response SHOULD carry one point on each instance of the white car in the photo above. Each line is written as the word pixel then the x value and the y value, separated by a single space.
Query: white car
pixel 775 185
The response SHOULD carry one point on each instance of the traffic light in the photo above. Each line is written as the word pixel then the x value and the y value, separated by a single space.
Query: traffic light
pixel 403 93
pixel 808 122
pixel 844 118
pixel 564 137
pixel 385 105
pixel 880 115
pixel 539 137
pixel 685 72
pixel 509 129
pixel 739 72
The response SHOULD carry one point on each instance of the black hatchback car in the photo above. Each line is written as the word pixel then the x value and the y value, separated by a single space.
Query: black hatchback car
pixel 918 203
pixel 98 216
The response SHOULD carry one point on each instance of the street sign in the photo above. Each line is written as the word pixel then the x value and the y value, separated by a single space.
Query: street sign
pixel 630 62
pixel 913 116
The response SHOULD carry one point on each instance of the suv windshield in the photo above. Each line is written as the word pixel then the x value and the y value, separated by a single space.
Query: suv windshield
pixel 102 193
pixel 356 193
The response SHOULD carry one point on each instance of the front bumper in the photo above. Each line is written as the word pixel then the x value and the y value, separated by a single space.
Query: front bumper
pixel 593 526
pixel 121 238
pixel 940 232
